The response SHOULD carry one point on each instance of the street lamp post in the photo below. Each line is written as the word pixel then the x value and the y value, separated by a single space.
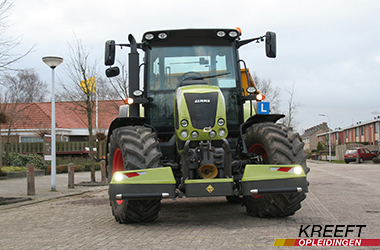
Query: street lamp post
pixel 53 62
pixel 329 134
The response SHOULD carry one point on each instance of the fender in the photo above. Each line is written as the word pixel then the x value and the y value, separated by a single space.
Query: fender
pixel 258 118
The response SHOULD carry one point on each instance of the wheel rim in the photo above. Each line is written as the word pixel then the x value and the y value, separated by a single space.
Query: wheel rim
pixel 117 163
pixel 260 150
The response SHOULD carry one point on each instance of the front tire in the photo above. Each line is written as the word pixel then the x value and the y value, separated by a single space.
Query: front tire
pixel 133 147
pixel 280 146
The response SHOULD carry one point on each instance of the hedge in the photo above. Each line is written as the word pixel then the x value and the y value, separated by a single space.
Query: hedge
pixel 63 169
pixel 20 160
pixel 87 167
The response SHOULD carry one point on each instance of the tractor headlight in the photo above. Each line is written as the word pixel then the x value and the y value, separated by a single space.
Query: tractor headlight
pixel 221 33
pixel 137 93
pixel 184 134
pixel 184 123
pixel 119 177
pixel 297 170
pixel 162 35
pixel 233 34
pixel 222 133
pixel 149 36
pixel 260 97
pixel 212 134
pixel 220 121
pixel 251 90
pixel 194 134
pixel 129 101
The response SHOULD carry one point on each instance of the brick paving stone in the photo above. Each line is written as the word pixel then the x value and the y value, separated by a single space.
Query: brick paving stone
pixel 339 194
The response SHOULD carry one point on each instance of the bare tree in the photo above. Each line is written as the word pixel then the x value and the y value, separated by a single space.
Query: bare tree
pixel 7 45
pixel 271 92
pixel 81 70
pixel 11 111
pixel 120 82
pixel 25 86
pixel 7 57
pixel 291 111
pixel 105 90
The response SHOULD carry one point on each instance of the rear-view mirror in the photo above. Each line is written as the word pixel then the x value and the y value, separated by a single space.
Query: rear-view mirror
pixel 270 44
pixel 113 71
pixel 109 55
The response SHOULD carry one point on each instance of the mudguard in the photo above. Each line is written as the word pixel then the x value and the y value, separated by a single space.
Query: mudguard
pixel 272 179
pixel 152 183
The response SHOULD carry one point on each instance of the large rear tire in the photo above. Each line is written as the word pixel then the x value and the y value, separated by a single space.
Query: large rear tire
pixel 277 145
pixel 133 147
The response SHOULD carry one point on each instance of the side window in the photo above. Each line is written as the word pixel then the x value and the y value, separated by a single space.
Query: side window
pixel 155 76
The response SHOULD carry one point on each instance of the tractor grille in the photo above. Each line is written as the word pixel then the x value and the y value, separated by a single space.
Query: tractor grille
pixel 202 109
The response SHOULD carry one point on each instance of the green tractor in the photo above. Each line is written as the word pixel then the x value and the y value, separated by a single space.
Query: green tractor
pixel 197 127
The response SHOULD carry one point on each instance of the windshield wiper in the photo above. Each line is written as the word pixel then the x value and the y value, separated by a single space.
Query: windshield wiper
pixel 210 76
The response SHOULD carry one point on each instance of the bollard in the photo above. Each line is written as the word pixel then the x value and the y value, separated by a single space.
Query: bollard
pixel 30 179
pixel 103 171
pixel 70 171
pixel 357 157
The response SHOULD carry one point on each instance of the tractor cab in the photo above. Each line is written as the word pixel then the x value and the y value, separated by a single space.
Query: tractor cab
pixel 176 58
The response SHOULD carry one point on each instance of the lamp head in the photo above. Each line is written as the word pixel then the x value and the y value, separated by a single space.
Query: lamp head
pixel 52 61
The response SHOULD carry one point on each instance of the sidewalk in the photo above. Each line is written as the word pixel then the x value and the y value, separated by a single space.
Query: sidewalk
pixel 17 187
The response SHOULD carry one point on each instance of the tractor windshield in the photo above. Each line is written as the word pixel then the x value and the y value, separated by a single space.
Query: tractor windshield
pixel 169 66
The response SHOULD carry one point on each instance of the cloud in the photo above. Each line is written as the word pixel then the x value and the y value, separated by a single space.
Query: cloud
pixel 329 49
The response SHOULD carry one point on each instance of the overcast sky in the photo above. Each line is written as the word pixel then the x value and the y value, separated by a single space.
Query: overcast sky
pixel 329 50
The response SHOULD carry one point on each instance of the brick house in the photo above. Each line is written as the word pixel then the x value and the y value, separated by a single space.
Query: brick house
pixel 309 137
pixel 33 119
pixel 362 132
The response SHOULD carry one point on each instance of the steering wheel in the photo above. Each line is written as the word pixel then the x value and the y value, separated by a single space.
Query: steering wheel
pixel 189 76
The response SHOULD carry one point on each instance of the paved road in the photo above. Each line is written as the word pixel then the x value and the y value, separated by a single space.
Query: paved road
pixel 339 195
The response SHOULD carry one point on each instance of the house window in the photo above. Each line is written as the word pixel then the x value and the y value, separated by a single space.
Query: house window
pixel 376 127
pixel 346 133
pixel 31 139
pixel 362 130
pixel 357 131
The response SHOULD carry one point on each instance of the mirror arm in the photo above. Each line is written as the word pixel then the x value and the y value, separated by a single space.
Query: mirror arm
pixel 244 42
pixel 139 45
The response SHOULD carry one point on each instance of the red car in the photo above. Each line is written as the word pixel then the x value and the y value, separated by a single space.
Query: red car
pixel 364 155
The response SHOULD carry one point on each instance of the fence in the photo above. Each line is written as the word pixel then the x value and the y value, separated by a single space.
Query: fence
pixel 61 147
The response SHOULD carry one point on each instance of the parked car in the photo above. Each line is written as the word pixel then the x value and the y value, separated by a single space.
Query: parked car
pixel 364 155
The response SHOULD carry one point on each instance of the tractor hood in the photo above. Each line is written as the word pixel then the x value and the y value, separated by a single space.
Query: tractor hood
pixel 200 113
